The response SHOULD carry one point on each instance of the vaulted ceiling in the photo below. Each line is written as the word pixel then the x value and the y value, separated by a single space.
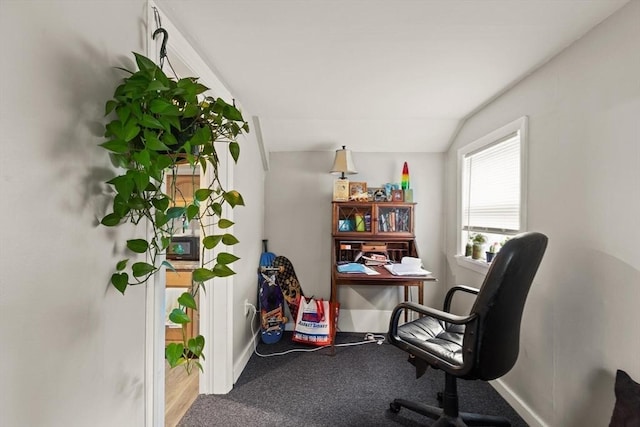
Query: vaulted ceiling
pixel 375 75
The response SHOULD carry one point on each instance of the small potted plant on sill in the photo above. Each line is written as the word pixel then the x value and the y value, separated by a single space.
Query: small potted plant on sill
pixel 493 249
pixel 468 249
pixel 479 240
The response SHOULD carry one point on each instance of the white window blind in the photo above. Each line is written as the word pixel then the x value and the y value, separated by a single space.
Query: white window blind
pixel 491 187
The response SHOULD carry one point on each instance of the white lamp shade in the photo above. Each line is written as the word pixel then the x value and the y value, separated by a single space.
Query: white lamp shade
pixel 343 163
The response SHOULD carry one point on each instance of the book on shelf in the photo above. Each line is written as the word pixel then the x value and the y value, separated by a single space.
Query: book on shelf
pixel 394 220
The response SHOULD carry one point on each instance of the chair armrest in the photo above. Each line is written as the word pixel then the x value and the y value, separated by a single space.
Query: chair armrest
pixel 428 311
pixel 449 297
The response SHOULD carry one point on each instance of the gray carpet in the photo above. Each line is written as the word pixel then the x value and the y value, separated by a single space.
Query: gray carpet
pixel 351 388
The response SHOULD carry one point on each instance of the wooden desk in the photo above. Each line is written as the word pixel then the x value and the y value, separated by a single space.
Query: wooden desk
pixel 386 226
pixel 383 279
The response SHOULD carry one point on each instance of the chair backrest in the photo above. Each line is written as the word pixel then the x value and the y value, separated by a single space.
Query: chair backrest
pixel 500 303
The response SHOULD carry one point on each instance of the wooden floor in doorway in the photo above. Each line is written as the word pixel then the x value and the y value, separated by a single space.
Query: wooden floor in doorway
pixel 180 392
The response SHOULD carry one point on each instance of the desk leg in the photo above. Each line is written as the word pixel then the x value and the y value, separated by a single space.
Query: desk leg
pixel 420 286
pixel 333 298
pixel 406 298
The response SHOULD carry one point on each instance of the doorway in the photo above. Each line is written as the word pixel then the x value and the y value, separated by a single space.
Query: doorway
pixel 215 322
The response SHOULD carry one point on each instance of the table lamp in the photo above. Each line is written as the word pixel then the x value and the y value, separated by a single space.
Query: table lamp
pixel 343 164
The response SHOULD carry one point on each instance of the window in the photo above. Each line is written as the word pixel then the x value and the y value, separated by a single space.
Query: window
pixel 492 184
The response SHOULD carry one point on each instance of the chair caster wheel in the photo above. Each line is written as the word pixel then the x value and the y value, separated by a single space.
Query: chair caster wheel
pixel 394 407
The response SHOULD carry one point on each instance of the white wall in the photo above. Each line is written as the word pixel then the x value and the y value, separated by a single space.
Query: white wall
pixel 582 316
pixel 72 348
pixel 249 178
pixel 298 225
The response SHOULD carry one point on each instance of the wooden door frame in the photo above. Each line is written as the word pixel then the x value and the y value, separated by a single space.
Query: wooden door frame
pixel 215 305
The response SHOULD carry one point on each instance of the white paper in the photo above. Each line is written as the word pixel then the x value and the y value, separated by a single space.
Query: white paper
pixel 407 270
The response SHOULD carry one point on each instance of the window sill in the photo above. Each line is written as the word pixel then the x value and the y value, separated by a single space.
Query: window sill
pixel 479 266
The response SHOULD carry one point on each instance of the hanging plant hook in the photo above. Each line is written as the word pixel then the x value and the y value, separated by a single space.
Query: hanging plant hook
pixel 163 47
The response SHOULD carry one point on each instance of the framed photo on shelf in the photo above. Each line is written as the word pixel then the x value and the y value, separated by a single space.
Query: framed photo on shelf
pixel 341 190
pixel 376 194
pixel 397 196
pixel 356 189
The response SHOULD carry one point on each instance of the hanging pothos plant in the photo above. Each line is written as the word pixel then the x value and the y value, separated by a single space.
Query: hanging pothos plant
pixel 160 123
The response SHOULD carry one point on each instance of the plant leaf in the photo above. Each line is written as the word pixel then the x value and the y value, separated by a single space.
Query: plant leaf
pixel 141 180
pixel 211 242
pixel 229 239
pixel 226 258
pixel 174 354
pixel 163 162
pixel 144 63
pixel 156 85
pixel 198 364
pixel 222 270
pixel 202 194
pixel 175 212
pixel 115 145
pixel 161 219
pixel 111 220
pixel 150 122
pixel 123 113
pixel 137 203
pixel 139 246
pixel 123 184
pixel 130 130
pixel 187 300
pixel 196 345
pixel 234 149
pixel 161 203
pixel 225 223
pixel 233 198
pixel 140 269
pixel 168 265
pixel 164 107
pixel 110 106
pixel 152 142
pixel 203 274
pixel 143 157
pixel 190 110
pixel 179 316
pixel 202 135
pixel 232 113
pixel 120 205
pixel 120 281
pixel 192 212
pixel 122 264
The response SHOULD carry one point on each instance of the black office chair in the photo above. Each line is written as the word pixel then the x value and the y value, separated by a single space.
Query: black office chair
pixel 483 345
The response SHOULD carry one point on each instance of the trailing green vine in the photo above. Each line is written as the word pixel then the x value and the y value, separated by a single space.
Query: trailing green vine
pixel 159 123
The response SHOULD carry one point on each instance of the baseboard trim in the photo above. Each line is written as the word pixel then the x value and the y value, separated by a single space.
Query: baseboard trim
pixel 375 321
pixel 242 361
pixel 527 414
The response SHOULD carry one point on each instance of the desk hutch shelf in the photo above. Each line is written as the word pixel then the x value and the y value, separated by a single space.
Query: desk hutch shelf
pixel 374 227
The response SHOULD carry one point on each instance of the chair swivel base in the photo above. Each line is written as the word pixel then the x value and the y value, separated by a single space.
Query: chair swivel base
pixel 463 419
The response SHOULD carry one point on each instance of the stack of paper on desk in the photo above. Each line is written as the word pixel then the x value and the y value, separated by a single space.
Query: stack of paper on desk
pixel 409 266
pixel 375 259
pixel 354 267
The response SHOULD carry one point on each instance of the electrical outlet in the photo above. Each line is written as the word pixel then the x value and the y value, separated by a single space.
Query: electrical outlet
pixel 247 307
